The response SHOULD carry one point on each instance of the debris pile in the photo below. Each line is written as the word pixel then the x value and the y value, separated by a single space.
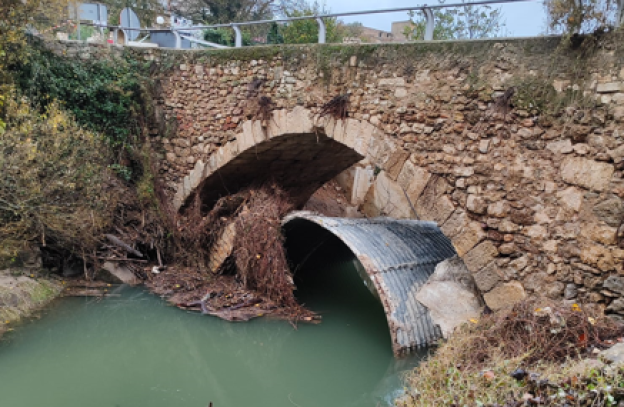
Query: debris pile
pixel 240 268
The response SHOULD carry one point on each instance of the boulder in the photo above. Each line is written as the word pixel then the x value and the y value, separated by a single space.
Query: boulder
pixel 115 273
pixel 451 295
pixel 614 355
pixel 505 295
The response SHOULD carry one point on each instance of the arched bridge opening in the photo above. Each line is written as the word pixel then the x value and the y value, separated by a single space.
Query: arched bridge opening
pixel 299 163
pixel 396 258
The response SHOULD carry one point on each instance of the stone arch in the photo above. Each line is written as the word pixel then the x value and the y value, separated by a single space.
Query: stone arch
pixel 289 142
pixel 418 192
pixel 396 258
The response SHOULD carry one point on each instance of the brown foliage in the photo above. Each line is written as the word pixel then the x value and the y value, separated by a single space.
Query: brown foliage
pixel 338 107
pixel 540 333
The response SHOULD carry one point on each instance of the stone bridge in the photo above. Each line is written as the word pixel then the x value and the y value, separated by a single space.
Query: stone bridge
pixel 531 198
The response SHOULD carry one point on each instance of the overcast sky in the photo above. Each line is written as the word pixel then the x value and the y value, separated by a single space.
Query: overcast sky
pixel 522 19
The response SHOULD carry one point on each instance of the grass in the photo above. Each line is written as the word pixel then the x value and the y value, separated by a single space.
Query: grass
pixel 460 373
pixel 21 295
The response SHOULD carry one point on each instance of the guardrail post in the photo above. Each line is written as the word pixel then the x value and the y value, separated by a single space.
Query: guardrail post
pixel 620 13
pixel 239 36
pixel 322 30
pixel 178 39
pixel 429 24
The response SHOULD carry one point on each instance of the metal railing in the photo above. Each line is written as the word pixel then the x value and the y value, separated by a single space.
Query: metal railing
pixel 425 9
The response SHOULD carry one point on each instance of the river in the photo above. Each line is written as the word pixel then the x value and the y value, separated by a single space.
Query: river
pixel 134 350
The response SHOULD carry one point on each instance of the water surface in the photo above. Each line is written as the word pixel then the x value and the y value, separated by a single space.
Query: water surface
pixel 134 350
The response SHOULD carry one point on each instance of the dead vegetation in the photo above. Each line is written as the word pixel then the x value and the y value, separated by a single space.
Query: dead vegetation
pixel 240 241
pixel 528 355
pixel 338 107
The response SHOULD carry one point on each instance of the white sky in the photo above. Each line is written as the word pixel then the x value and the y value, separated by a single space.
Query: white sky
pixel 522 19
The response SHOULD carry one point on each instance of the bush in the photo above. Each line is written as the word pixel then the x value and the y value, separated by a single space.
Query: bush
pixel 52 185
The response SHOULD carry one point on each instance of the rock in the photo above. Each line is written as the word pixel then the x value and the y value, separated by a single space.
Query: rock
pixel 570 291
pixel 480 256
pixel 587 173
pixel 451 295
pixel 610 211
pixel 505 295
pixel 507 226
pixel 597 256
pixel 615 284
pixel 498 209
pixel 555 290
pixel 609 87
pixel 616 306
pixel 487 277
pixel 571 198
pixel 614 355
pixel 560 147
pixel 476 204
pixel 117 273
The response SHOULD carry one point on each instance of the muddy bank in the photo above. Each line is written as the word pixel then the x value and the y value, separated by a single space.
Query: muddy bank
pixel 22 293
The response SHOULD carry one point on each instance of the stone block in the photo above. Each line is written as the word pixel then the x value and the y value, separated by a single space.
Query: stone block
pixel 413 180
pixel 599 233
pixel 487 278
pixel 197 174
pixel 476 204
pixel 278 124
pixel 587 173
pixel 505 296
pixel 470 236
pixel 609 87
pixel 615 284
pixel 391 82
pixel 455 223
pixel 362 141
pixel 386 198
pixel 571 198
pixel 499 209
pixel 246 137
pixel 597 256
pixel 560 146
pixel 299 121
pixel 450 295
pixel 433 204
pixel 395 162
pixel 610 211
pixel 480 256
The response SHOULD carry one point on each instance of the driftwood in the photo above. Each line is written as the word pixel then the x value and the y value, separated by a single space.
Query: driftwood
pixel 118 242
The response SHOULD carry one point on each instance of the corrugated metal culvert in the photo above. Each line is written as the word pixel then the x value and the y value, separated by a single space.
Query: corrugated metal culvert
pixel 398 256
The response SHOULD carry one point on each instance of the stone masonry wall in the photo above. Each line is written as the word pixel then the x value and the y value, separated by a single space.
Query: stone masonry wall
pixel 532 200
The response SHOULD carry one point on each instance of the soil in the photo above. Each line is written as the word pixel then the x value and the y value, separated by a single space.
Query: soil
pixel 331 200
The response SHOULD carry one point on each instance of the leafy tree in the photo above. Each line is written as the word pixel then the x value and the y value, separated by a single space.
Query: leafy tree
pixel 146 10
pixel 307 31
pixel 275 36
pixel 465 22
pixel 582 16
pixel 225 36
pixel 224 11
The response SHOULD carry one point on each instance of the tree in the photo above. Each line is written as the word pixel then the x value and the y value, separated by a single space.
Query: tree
pixel 582 16
pixel 224 11
pixel 146 10
pixel 307 31
pixel 458 23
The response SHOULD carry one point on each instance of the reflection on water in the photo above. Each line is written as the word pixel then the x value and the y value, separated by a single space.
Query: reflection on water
pixel 134 350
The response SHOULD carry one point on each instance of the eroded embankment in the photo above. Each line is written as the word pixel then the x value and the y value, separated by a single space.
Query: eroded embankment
pixel 21 294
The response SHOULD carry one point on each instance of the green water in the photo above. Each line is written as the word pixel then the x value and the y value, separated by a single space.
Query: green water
pixel 134 350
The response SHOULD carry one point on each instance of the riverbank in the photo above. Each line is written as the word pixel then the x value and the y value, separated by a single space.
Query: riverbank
pixel 537 353
pixel 22 293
